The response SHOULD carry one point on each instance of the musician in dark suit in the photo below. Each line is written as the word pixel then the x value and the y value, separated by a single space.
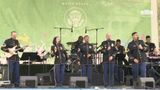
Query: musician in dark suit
pixel 120 61
pixel 87 51
pixel 120 56
pixel 75 49
pixel 151 52
pixel 58 51
pixel 109 53
pixel 13 61
pixel 137 56
pixel 151 46
pixel 77 44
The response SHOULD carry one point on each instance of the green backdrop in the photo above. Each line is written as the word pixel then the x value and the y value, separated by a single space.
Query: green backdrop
pixel 34 20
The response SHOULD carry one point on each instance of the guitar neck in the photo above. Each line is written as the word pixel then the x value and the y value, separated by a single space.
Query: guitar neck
pixel 19 49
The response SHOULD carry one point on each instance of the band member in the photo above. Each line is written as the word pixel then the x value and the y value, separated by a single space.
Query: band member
pixel 120 56
pixel 109 53
pixel 9 47
pixel 87 51
pixel 59 52
pixel 120 59
pixel 77 44
pixel 137 56
pixel 152 52
pixel 151 46
pixel 75 54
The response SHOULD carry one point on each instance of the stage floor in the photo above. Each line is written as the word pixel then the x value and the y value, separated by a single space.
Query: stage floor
pixel 95 88
pixel 89 88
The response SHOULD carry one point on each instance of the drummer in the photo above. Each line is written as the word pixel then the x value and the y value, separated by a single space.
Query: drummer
pixel 151 46
pixel 74 48
pixel 76 45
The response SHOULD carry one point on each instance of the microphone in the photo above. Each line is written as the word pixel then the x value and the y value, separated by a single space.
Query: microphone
pixel 109 46
pixel 72 28
pixel 99 46
pixel 85 29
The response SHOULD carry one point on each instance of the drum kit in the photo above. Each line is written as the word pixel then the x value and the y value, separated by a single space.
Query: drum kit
pixel 73 63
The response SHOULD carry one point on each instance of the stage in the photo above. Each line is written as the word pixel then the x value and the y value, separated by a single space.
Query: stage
pixel 79 44
pixel 45 76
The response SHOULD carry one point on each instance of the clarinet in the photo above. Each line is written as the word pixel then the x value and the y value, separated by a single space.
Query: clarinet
pixel 139 53
pixel 107 48
pixel 59 52
pixel 87 52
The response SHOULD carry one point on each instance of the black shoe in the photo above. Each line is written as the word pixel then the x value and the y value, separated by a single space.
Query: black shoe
pixel 16 85
pixel 105 85
pixel 89 84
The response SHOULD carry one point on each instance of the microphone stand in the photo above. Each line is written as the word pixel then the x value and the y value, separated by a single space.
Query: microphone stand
pixel 96 58
pixel 63 28
pixel 95 29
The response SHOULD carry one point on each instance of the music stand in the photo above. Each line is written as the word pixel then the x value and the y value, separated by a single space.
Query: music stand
pixel 30 56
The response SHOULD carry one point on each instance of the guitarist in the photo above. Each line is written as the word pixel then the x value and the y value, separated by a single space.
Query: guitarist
pixel 137 56
pixel 13 61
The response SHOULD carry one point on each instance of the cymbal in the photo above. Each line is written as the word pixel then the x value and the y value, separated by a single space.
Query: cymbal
pixel 70 43
pixel 66 50
pixel 93 43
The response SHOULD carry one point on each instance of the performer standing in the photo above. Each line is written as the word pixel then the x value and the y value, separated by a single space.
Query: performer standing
pixel 87 51
pixel 11 47
pixel 120 59
pixel 58 50
pixel 109 53
pixel 137 56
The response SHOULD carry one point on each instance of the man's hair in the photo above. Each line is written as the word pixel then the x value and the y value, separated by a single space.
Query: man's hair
pixel 118 40
pixel 13 32
pixel 134 33
pixel 148 36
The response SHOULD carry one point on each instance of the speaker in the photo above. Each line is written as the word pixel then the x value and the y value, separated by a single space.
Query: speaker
pixel 129 80
pixel 4 76
pixel 5 83
pixel 78 82
pixel 28 81
pixel 146 82
pixel 44 79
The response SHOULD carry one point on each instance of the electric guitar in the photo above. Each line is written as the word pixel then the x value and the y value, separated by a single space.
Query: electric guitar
pixel 13 51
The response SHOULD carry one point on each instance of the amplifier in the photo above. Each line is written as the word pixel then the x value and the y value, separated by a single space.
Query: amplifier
pixel 28 81
pixel 3 83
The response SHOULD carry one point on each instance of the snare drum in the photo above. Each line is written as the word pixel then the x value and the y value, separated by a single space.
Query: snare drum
pixel 74 56
pixel 98 59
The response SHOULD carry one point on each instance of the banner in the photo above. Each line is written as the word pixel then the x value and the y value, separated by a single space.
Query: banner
pixel 35 20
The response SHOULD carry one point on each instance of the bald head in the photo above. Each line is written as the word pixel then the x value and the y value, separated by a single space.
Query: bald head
pixel 108 36
pixel 86 39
